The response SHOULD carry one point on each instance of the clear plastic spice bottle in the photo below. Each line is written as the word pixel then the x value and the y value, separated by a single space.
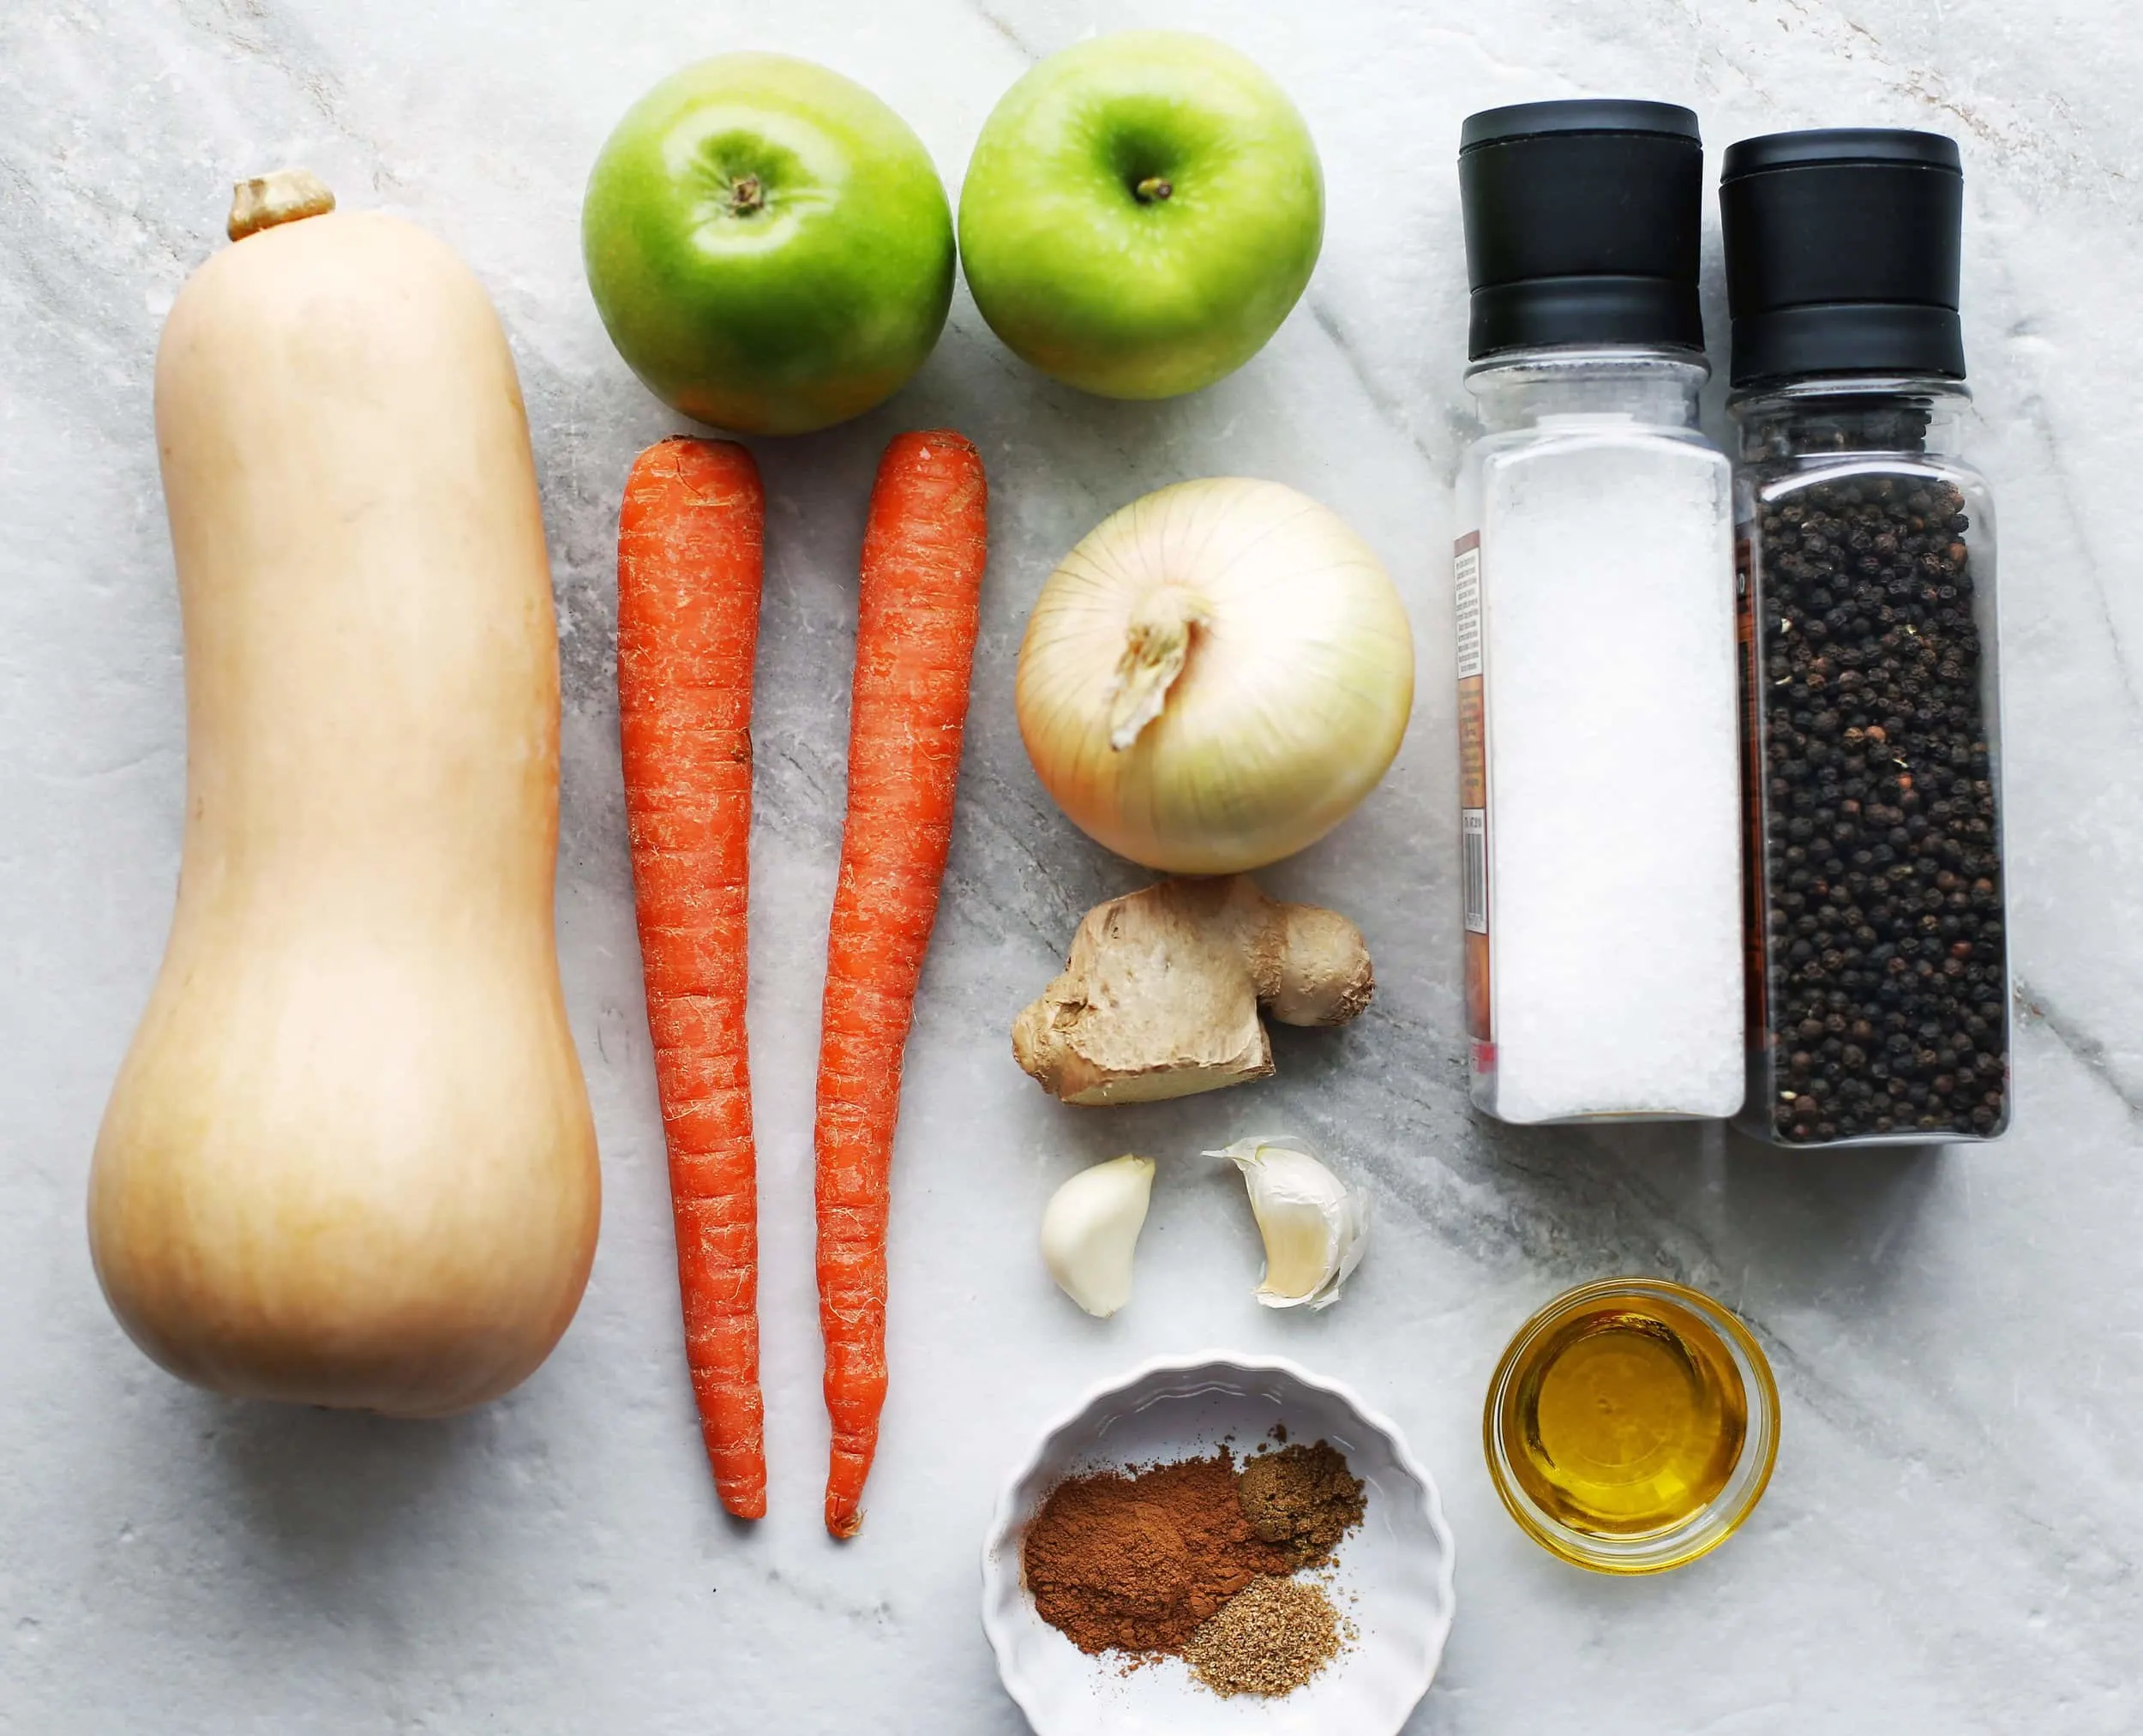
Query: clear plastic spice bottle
pixel 1878 969
pixel 1600 796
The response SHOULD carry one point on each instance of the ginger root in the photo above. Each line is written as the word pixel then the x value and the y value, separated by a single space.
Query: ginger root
pixel 1161 994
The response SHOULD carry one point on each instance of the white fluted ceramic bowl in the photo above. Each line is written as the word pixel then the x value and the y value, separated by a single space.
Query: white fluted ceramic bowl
pixel 1394 1580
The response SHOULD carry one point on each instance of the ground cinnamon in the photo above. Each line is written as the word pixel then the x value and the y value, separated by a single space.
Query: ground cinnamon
pixel 1138 1560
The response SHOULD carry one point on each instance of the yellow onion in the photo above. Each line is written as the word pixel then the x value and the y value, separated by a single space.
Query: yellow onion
pixel 1214 677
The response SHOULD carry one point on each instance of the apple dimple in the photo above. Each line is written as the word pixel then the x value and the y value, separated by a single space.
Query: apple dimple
pixel 741 174
pixel 768 244
pixel 1135 150
pixel 1140 213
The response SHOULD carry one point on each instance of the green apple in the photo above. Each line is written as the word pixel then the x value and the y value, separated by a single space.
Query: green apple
pixel 768 244
pixel 1141 212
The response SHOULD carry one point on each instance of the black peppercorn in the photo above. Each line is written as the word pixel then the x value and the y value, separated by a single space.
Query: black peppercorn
pixel 1879 878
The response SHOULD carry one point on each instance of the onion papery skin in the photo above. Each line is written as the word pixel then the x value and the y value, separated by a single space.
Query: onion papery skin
pixel 1291 704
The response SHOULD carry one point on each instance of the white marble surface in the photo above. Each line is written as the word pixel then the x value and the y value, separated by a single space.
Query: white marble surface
pixel 1951 1542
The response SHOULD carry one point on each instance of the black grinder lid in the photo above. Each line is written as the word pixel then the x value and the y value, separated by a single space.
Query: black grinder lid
pixel 1581 225
pixel 1842 250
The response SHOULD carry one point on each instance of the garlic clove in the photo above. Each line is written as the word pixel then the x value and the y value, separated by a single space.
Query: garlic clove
pixel 1090 1227
pixel 1315 1227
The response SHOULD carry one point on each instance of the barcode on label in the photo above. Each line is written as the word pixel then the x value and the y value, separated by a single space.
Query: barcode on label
pixel 1473 841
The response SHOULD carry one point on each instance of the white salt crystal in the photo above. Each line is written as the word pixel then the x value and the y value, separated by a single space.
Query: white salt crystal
pixel 1613 862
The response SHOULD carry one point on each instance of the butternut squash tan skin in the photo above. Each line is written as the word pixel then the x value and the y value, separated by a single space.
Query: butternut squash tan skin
pixel 349 1160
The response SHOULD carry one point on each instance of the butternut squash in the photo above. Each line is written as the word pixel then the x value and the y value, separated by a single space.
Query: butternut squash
pixel 349 1159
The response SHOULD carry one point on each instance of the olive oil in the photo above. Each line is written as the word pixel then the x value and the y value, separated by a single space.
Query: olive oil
pixel 1627 1418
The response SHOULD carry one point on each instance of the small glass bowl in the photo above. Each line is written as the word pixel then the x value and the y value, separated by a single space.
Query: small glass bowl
pixel 1710 1525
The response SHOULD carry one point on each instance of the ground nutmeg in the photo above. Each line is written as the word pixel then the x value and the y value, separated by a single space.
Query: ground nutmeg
pixel 1303 1499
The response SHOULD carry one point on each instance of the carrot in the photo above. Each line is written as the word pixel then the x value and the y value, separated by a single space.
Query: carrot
pixel 923 554
pixel 690 554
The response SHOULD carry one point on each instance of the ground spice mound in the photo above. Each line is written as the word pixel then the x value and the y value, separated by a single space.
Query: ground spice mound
pixel 1303 1499
pixel 1270 1640
pixel 1138 1561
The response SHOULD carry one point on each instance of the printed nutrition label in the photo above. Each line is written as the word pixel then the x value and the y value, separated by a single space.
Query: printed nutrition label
pixel 1465 577
pixel 1472 787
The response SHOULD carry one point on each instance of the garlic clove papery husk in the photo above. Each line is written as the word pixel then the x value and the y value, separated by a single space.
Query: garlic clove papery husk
pixel 1089 1230
pixel 1315 1227
pixel 1216 676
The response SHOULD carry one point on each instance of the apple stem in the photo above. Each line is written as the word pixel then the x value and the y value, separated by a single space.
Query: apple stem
pixel 746 195
pixel 1152 187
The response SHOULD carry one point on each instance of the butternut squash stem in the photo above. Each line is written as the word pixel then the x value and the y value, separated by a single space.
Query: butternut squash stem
pixel 283 197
